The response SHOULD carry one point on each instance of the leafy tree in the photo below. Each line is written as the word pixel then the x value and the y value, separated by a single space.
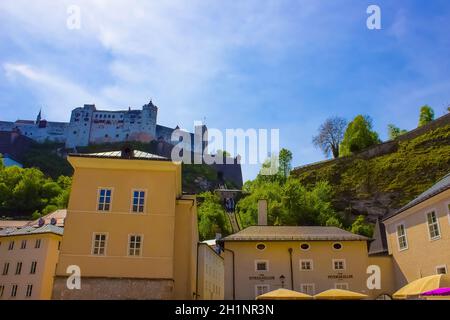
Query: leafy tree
pixel 212 218
pixel 359 226
pixel 26 191
pixel 1 162
pixel 394 132
pixel 426 115
pixel 285 158
pixel 330 136
pixel 358 136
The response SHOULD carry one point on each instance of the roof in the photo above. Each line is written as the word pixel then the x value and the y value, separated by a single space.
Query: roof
pixel 379 245
pixel 284 233
pixel 13 223
pixel 139 155
pixel 48 228
pixel 440 186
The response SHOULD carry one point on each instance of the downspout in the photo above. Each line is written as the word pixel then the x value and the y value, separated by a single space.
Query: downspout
pixel 196 274
pixel 292 273
pixel 234 277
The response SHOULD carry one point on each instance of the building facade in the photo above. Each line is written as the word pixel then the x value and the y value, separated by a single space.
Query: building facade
pixel 260 259
pixel 28 258
pixel 91 126
pixel 418 235
pixel 210 273
pixel 129 229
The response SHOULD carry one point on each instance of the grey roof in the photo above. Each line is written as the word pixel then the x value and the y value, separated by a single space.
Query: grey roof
pixel 140 155
pixel 48 228
pixel 440 186
pixel 379 244
pixel 285 233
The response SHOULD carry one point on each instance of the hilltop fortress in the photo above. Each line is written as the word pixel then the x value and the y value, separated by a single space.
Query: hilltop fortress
pixel 91 126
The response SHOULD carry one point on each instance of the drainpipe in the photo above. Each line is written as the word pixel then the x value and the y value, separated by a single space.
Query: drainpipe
pixel 196 274
pixel 292 273
pixel 234 277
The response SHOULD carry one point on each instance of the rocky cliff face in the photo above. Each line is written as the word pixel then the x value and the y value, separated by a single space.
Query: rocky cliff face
pixel 383 178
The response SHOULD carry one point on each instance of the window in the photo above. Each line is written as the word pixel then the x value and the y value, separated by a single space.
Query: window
pixel 18 268
pixel 401 237
pixel 341 285
pixel 104 200
pixel 11 245
pixel 2 290
pixel 134 245
pixel 306 265
pixel 29 290
pixel 138 201
pixel 260 246
pixel 261 265
pixel 441 269
pixel 433 225
pixel 33 267
pixel 261 289
pixel 14 290
pixel 23 245
pixel 99 244
pixel 5 268
pixel 338 264
pixel 304 246
pixel 37 244
pixel 308 288
pixel 337 246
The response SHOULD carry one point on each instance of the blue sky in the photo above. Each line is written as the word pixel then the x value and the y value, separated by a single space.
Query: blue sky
pixel 239 64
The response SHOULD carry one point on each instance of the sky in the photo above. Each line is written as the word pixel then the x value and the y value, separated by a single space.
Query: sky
pixel 252 64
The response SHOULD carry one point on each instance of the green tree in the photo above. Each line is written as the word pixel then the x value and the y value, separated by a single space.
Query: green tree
pixel 285 158
pixel 359 226
pixel 394 132
pixel 212 218
pixel 358 136
pixel 1 162
pixel 426 115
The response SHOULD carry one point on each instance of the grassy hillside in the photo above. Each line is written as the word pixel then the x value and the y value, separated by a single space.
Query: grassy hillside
pixel 378 185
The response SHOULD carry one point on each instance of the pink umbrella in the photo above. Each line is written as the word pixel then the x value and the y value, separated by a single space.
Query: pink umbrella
pixel 437 292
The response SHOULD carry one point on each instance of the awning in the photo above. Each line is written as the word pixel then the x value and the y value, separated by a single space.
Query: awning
pixel 339 294
pixel 419 286
pixel 284 294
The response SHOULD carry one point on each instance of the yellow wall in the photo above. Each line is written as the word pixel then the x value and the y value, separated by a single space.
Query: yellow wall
pixel 46 257
pixel 167 223
pixel 423 255
pixel 322 254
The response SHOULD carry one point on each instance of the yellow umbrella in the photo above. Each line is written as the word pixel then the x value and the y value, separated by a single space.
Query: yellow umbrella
pixel 283 294
pixel 339 294
pixel 416 287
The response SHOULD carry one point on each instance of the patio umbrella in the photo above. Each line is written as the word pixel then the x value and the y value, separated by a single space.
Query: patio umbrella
pixel 437 292
pixel 284 294
pixel 339 294
pixel 417 287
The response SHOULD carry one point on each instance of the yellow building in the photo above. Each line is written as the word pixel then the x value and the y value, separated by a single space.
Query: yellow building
pixel 28 259
pixel 260 259
pixel 418 235
pixel 129 229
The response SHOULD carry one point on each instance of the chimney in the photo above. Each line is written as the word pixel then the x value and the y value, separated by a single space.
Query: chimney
pixel 262 212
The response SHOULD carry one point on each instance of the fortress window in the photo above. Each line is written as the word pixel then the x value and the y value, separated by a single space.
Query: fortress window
pixel 74 132
pixel 117 135
pixel 106 136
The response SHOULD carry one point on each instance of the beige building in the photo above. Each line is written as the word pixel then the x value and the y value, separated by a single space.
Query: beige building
pixel 259 259
pixel 28 258
pixel 418 235
pixel 210 273
pixel 129 229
